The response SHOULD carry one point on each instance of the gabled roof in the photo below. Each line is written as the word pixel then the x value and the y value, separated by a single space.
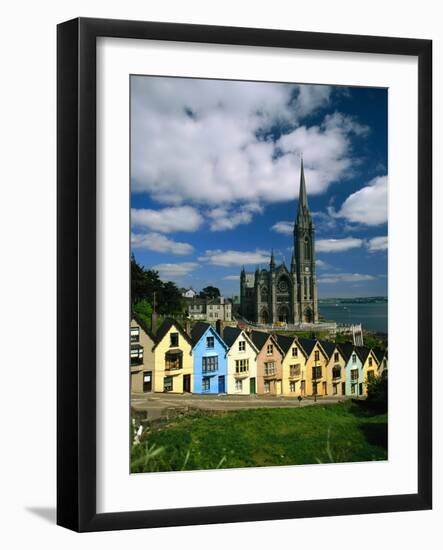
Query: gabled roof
pixel 285 342
pixel 307 344
pixel 164 328
pixel 380 354
pixel 260 338
pixel 143 326
pixel 328 347
pixel 346 350
pixel 230 335
pixel 197 332
pixel 362 352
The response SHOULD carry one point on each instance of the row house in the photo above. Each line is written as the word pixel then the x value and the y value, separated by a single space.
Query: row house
pixel 241 362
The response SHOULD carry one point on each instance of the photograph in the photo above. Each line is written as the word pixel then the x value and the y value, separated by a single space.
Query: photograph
pixel 259 274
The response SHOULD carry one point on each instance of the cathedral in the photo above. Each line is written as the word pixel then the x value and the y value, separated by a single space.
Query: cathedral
pixel 279 294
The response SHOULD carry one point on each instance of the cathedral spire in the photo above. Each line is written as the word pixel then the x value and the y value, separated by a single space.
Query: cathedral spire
pixel 272 262
pixel 303 207
pixel 293 263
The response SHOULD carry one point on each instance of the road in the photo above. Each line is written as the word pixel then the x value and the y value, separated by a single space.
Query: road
pixel 155 404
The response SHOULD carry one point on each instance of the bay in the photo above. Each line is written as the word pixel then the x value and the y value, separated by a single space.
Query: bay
pixel 372 316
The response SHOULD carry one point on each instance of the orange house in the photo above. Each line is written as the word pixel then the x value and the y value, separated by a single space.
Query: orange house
pixel 269 363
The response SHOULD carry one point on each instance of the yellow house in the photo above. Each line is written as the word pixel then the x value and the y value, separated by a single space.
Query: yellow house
pixel 382 356
pixel 242 362
pixel 173 361
pixel 293 366
pixel 316 382
pixel 370 366
pixel 336 369
pixel 141 357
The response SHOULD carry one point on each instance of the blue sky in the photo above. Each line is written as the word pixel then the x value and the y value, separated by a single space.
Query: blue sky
pixel 215 168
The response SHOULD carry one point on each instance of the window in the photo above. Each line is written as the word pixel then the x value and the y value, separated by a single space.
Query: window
pixel 336 372
pixel 167 383
pixel 174 339
pixel 135 334
pixel 269 369
pixel 334 389
pixel 238 385
pixel 336 358
pixel 242 345
pixel 316 356
pixel 136 355
pixel 269 349
pixel 294 352
pixel 316 372
pixel 294 371
pixel 210 342
pixel 292 386
pixel 267 386
pixel 206 383
pixel 210 364
pixel 354 358
pixel 370 361
pixel 241 365
pixel 354 374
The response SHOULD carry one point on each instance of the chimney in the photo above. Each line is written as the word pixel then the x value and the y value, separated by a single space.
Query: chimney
pixel 219 326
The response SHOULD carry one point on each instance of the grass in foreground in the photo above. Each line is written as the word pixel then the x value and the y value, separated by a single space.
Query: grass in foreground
pixel 344 432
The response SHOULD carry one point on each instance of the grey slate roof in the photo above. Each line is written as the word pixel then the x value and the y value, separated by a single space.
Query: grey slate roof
pixel 259 338
pixel 230 335
pixel 328 346
pixel 197 332
pixel 362 352
pixel 285 342
pixel 307 344
pixel 346 350
pixel 380 354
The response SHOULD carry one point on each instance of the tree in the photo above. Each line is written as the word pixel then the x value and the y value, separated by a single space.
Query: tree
pixel 210 292
pixel 143 309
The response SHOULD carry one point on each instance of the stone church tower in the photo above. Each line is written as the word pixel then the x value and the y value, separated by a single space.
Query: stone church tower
pixel 281 294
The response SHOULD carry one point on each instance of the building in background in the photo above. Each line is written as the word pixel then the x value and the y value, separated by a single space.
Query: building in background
pixel 279 294
pixel 201 309
pixel 189 293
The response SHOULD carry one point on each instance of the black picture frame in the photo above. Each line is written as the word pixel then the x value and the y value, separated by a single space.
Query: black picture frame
pixel 76 264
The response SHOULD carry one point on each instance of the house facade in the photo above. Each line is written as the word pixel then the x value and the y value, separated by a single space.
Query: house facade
pixel 242 362
pixel 354 374
pixel 369 369
pixel 336 369
pixel 293 366
pixel 173 362
pixel 209 352
pixel 189 293
pixel 141 358
pixel 217 309
pixel 269 363
pixel 316 367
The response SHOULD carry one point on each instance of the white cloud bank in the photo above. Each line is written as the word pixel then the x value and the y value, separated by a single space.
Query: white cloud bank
pixel 177 270
pixel 369 205
pixel 285 228
pixel 203 142
pixel 338 245
pixel 378 244
pixel 167 220
pixel 229 258
pixel 159 243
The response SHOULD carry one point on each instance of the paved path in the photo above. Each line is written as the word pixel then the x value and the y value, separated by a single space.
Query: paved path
pixel 155 404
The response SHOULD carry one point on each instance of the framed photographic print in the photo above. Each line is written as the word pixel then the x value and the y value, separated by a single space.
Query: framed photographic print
pixel 244 274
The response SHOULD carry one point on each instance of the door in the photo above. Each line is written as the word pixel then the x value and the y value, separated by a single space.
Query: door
pixel 252 386
pixel 278 387
pixel 187 383
pixel 343 388
pixel 221 384
pixel 325 388
pixel 147 381
pixel 360 389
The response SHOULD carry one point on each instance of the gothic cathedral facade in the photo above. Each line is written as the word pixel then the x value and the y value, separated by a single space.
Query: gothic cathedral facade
pixel 279 294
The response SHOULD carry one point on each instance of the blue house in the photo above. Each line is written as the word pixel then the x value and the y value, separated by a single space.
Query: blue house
pixel 210 359
pixel 354 372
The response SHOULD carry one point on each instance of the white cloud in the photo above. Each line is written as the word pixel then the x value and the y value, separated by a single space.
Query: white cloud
pixel 338 245
pixel 332 278
pixel 203 141
pixel 231 277
pixel 377 243
pixel 369 205
pixel 321 264
pixel 286 228
pixel 175 270
pixel 167 220
pixel 225 218
pixel 229 258
pixel 159 243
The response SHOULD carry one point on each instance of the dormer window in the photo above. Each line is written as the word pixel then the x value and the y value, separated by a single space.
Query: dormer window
pixel 174 339
pixel 270 349
pixel 294 352
pixel 210 342
pixel 242 345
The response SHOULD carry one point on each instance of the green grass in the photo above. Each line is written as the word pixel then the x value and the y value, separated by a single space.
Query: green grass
pixel 343 432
